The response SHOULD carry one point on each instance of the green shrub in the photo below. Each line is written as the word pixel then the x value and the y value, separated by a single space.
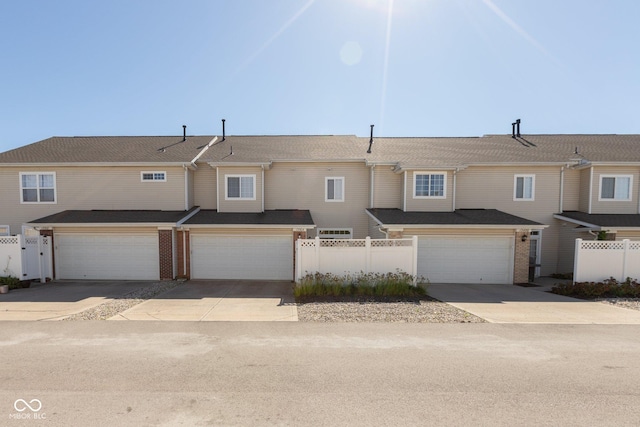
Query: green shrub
pixel 13 282
pixel 609 288
pixel 370 285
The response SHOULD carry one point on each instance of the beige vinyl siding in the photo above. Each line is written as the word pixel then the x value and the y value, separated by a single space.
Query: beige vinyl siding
pixel 239 205
pixel 585 187
pixel 243 231
pixel 87 188
pixel 302 186
pixel 568 233
pixel 408 232
pixel 493 188
pixel 571 193
pixel 614 206
pixel 429 204
pixel 387 188
pixel 631 235
pixel 204 184
pixel 374 230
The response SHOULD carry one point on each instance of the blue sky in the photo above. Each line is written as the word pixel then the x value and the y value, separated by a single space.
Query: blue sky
pixel 411 67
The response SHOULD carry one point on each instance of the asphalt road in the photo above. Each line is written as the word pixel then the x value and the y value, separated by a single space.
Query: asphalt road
pixel 183 373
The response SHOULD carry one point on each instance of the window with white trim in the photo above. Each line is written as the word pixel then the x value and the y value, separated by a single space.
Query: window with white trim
pixel 153 176
pixel 334 189
pixel 240 187
pixel 431 185
pixel 37 187
pixel 524 187
pixel 615 187
pixel 5 230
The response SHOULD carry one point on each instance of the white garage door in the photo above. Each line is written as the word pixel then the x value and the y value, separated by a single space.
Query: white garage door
pixel 107 256
pixel 463 259
pixel 242 257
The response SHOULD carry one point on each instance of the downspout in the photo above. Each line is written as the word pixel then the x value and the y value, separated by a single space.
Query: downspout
pixel 186 187
pixel 453 192
pixel 561 188
pixel 218 189
pixel 590 189
pixel 262 188
pixel 404 202
pixel 371 188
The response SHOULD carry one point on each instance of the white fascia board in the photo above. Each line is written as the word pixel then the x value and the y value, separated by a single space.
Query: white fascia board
pixel 374 218
pixel 400 169
pixel 162 225
pixel 467 226
pixel 266 165
pixel 577 222
pixel 94 164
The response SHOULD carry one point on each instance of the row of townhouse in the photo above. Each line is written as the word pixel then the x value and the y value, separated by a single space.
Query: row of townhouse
pixel 491 209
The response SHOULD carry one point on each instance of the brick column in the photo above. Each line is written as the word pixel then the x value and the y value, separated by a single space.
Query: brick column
pixel 521 258
pixel 165 239
pixel 394 234
pixel 183 249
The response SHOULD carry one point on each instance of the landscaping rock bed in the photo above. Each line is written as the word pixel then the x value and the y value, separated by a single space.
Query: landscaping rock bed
pixel 424 310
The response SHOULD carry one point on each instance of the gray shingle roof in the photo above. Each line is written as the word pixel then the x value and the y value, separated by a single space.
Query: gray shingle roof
pixel 407 152
pixel 272 217
pixel 112 217
pixel 459 217
pixel 604 220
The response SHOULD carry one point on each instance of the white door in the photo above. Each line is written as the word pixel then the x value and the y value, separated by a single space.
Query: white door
pixel 464 259
pixel 242 257
pixel 107 256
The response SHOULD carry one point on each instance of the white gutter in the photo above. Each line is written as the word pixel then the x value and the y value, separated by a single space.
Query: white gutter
pixel 371 187
pixel 404 202
pixel 243 226
pixel 453 192
pixel 560 206
pixel 590 190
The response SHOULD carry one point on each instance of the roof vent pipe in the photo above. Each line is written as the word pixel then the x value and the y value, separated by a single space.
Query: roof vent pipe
pixel 223 129
pixel 370 140
pixel 184 132
pixel 513 130
pixel 518 128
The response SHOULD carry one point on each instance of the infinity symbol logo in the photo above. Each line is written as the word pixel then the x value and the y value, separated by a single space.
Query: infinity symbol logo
pixel 37 405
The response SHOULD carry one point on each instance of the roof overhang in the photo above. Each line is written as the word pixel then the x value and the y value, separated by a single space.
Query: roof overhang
pixel 602 222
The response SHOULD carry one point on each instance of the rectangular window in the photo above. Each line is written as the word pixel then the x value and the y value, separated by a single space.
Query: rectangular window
pixel 241 187
pixel 524 187
pixel 153 176
pixel 37 187
pixel 615 187
pixel 5 230
pixel 334 189
pixel 430 185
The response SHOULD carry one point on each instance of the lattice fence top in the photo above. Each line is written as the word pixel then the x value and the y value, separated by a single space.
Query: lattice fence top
pixel 602 244
pixel 31 240
pixel 634 246
pixel 355 243
pixel 9 240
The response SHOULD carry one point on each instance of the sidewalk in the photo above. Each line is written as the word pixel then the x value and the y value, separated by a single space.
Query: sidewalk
pixel 516 304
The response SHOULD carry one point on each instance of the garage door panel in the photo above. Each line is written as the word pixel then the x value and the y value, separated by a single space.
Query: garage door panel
pixel 107 257
pixel 463 259
pixel 242 257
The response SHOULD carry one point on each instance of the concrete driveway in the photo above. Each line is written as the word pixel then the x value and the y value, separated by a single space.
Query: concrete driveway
pixel 57 300
pixel 219 300
pixel 516 304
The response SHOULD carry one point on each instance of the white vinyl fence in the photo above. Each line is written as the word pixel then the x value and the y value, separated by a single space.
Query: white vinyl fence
pixel 597 260
pixel 354 256
pixel 26 258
